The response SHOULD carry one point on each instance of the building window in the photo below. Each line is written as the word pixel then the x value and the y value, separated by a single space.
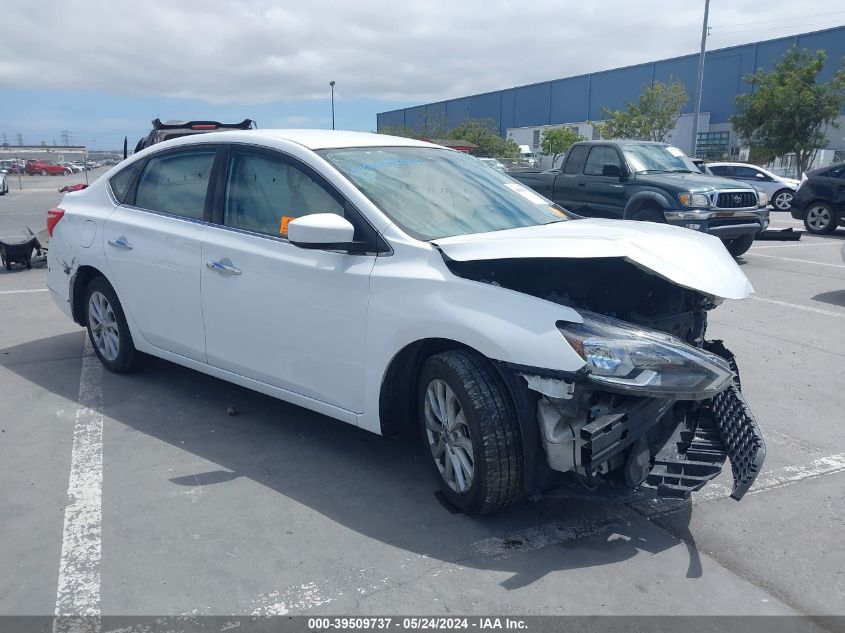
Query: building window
pixel 712 145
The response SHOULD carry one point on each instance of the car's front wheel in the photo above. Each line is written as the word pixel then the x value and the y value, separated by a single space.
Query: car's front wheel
pixel 739 245
pixel 782 200
pixel 471 432
pixel 820 218
pixel 107 328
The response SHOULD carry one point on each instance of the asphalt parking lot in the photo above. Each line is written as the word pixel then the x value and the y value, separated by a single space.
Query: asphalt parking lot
pixel 278 510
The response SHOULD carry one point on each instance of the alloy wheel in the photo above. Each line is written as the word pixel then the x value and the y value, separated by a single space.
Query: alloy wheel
pixel 819 217
pixel 448 436
pixel 103 324
pixel 783 201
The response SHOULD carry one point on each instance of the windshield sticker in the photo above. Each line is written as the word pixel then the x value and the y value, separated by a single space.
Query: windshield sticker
pixel 526 193
pixel 675 151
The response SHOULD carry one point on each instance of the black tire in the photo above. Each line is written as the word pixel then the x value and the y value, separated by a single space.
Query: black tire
pixel 820 218
pixel 494 431
pixel 782 192
pixel 649 214
pixel 739 245
pixel 128 358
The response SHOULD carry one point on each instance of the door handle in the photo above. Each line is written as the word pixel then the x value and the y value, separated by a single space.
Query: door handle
pixel 121 243
pixel 220 267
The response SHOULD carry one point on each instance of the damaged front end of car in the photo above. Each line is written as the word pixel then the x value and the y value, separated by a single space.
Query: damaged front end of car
pixel 655 403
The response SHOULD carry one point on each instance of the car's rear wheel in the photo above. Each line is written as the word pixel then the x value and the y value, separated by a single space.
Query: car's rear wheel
pixel 471 432
pixel 820 218
pixel 739 245
pixel 782 200
pixel 107 328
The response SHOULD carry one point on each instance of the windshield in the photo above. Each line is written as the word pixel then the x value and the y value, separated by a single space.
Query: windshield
pixel 647 158
pixel 432 193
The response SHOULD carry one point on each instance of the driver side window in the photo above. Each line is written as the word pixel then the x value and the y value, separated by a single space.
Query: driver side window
pixel 598 158
pixel 264 193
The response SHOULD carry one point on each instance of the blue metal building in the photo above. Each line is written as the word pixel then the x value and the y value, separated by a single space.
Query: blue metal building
pixel 581 98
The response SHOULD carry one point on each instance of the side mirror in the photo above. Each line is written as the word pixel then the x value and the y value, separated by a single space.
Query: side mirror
pixel 324 231
pixel 760 176
pixel 612 170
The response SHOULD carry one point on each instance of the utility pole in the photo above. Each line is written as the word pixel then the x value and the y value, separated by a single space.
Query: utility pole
pixel 20 139
pixel 699 82
pixel 331 83
pixel 65 138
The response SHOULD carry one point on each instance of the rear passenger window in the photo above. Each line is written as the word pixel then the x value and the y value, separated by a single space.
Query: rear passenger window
pixel 720 170
pixel 264 193
pixel 176 183
pixel 576 159
pixel 599 157
pixel 122 181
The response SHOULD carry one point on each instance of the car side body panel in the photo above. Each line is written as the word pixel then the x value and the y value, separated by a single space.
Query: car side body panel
pixel 414 297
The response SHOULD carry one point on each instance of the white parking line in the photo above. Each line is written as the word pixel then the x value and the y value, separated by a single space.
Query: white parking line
pixel 792 259
pixel 78 592
pixel 794 244
pixel 15 292
pixel 840 315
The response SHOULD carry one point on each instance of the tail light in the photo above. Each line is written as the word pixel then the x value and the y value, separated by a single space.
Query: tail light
pixel 203 126
pixel 53 217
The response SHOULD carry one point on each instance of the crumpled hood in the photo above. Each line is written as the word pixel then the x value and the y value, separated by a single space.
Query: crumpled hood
pixel 689 259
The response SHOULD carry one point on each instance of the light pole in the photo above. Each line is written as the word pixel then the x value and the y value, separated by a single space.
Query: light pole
pixel 699 81
pixel 331 84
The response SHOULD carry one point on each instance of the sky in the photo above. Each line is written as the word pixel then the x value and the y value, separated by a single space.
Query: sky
pixel 104 69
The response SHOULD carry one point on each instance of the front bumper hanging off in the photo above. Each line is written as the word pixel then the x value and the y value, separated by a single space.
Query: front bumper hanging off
pixel 722 427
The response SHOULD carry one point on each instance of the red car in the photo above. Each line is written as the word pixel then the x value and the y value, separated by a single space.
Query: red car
pixel 45 167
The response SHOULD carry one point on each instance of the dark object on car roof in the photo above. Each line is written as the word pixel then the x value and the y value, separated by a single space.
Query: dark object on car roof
pixel 175 129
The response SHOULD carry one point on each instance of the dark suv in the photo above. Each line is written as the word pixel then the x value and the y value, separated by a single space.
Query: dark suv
pixel 642 180
pixel 175 129
pixel 820 199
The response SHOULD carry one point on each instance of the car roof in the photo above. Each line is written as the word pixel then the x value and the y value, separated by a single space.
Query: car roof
pixel 735 164
pixel 313 139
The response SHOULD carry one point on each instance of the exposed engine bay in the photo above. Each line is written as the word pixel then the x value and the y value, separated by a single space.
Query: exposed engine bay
pixel 613 430
pixel 634 295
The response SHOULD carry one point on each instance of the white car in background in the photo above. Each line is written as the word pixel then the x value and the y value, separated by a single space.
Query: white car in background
pixel 388 282
pixel 780 190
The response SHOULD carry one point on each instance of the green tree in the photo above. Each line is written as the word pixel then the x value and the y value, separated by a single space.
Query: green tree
pixel 788 110
pixel 483 132
pixel 652 118
pixel 557 141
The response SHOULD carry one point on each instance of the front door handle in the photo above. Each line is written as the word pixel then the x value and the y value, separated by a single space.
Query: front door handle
pixel 220 267
pixel 121 243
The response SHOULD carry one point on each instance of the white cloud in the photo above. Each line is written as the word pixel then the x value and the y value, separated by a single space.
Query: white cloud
pixel 257 51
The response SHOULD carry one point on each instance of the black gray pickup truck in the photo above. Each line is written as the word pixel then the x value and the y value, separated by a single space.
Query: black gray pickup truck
pixel 656 182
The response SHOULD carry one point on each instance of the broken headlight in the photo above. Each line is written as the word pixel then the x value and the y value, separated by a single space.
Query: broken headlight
pixel 627 358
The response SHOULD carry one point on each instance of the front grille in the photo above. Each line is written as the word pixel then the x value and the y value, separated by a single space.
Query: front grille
pixel 736 200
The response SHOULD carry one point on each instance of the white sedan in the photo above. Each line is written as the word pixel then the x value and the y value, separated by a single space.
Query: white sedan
pixel 389 282
pixel 779 189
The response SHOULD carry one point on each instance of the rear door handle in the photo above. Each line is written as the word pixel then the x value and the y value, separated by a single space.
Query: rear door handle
pixel 220 267
pixel 121 243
